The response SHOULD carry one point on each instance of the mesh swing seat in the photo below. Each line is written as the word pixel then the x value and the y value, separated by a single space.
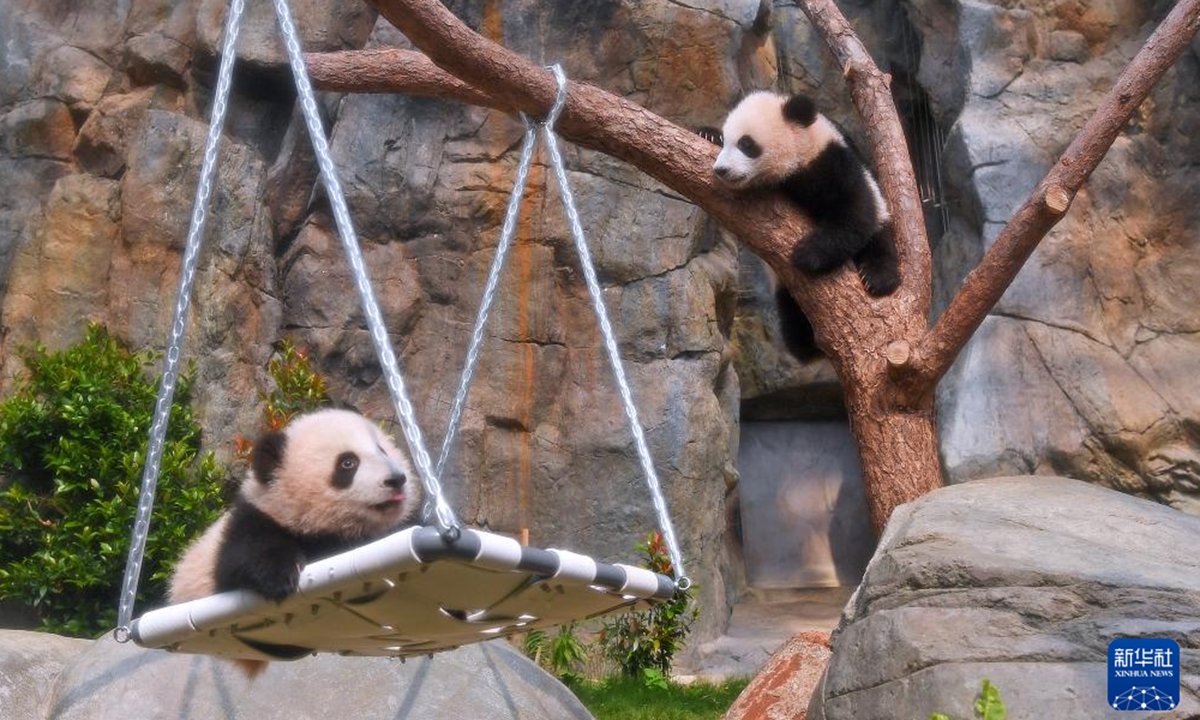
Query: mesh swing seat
pixel 419 590
pixel 411 593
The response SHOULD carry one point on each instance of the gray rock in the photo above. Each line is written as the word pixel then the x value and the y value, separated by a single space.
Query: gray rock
pixel 1069 46
pixel 161 39
pixel 39 128
pixel 1023 581
pixel 55 281
pixel 110 681
pixel 29 664
pixel 75 76
pixel 102 147
pixel 1001 41
pixel 322 26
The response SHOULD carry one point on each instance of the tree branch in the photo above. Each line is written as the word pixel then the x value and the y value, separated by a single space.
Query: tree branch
pixel 391 70
pixel 1048 203
pixel 460 64
pixel 871 91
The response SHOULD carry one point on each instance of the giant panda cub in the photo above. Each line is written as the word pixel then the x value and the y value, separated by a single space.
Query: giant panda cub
pixel 329 481
pixel 779 142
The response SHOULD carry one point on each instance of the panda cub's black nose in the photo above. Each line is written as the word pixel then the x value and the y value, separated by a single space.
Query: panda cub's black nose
pixel 395 481
pixel 721 171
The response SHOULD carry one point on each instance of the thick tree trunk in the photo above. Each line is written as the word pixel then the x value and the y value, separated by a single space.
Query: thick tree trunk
pixel 895 433
pixel 898 451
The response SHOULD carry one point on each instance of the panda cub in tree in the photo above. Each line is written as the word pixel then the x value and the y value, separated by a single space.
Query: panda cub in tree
pixel 780 142
pixel 329 481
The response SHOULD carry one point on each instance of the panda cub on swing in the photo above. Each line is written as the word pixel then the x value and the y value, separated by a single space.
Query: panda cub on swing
pixel 328 482
pixel 780 142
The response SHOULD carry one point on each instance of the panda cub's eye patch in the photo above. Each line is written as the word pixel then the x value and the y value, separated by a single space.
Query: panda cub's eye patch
pixel 748 147
pixel 344 470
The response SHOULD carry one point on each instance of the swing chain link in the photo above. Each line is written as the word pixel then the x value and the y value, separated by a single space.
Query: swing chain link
pixel 442 514
pixel 610 341
pixel 507 231
pixel 183 295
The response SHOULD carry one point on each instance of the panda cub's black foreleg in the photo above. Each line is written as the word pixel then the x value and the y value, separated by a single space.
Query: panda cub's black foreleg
pixel 827 247
pixel 259 554
pixel 797 332
pixel 878 265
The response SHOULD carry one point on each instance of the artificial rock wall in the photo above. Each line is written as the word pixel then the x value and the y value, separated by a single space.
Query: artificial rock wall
pixel 103 113
pixel 1083 369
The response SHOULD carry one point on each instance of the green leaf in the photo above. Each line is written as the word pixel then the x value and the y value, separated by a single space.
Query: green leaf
pixel 989 706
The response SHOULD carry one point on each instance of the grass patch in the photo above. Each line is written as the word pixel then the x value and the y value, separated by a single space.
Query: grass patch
pixel 622 698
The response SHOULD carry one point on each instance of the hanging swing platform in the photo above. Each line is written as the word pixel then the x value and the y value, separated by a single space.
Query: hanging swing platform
pixel 410 593
pixel 414 592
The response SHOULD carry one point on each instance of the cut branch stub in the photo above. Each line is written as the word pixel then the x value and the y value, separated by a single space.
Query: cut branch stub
pixel 1057 199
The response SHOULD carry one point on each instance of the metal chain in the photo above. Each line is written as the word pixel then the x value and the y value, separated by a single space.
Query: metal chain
pixel 507 231
pixel 444 517
pixel 610 341
pixel 183 296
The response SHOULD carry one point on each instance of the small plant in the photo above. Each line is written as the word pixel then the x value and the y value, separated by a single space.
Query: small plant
pixel 988 706
pixel 562 654
pixel 649 639
pixel 73 439
pixel 654 679
pixel 298 389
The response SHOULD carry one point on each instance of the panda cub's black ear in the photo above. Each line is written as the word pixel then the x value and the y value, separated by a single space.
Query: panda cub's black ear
pixel 268 456
pixel 801 110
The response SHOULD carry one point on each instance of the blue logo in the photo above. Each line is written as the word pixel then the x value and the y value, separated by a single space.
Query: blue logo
pixel 1143 674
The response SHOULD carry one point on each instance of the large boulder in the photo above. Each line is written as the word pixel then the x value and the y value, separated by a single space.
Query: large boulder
pixel 117 682
pixel 29 664
pixel 1023 581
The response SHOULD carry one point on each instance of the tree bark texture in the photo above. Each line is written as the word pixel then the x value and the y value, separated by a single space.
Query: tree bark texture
pixel 882 349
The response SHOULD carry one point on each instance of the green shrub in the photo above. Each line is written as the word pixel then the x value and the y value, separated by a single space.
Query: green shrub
pixel 73 439
pixel 648 640
pixel 298 387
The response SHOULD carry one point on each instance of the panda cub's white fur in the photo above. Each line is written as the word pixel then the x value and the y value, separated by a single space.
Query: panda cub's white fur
pixel 330 481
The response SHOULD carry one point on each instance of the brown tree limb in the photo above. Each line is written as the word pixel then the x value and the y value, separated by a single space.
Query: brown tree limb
pixel 1048 203
pixel 897 444
pixel 872 94
pixel 462 65
pixel 392 70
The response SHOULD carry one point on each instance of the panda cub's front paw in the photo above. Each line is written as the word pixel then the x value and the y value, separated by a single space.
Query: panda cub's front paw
pixel 815 258
pixel 275 581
